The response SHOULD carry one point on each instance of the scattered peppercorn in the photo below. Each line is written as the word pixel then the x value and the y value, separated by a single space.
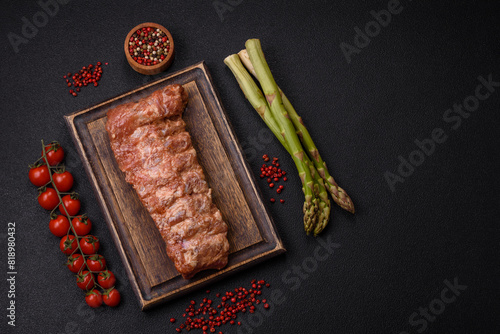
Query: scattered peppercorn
pixel 149 46
pixel 273 174
pixel 87 75
pixel 206 317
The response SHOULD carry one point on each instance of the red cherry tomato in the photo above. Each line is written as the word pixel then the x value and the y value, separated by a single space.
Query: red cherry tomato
pixel 63 181
pixel 75 263
pixel 54 153
pixel 59 226
pixel 106 279
pixel 70 205
pixel 68 244
pixel 93 298
pixel 85 280
pixel 82 225
pixel 96 263
pixel 111 297
pixel 89 244
pixel 39 176
pixel 48 199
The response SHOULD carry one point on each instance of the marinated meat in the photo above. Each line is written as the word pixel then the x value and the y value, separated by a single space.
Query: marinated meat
pixel 153 148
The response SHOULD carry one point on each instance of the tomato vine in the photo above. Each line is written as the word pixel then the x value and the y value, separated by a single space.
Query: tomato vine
pixel 68 204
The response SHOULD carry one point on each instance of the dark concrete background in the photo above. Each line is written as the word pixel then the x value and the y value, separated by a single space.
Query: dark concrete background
pixel 395 258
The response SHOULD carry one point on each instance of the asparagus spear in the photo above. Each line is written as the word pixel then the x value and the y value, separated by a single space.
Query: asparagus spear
pixel 256 98
pixel 338 194
pixel 254 95
pixel 279 113
pixel 324 202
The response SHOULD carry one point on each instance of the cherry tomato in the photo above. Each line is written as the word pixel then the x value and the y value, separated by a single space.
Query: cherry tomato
pixel 55 154
pixel 63 181
pixel 96 263
pixel 85 280
pixel 48 199
pixel 106 279
pixel 89 244
pixel 82 225
pixel 68 244
pixel 59 226
pixel 39 176
pixel 93 298
pixel 75 262
pixel 111 297
pixel 70 205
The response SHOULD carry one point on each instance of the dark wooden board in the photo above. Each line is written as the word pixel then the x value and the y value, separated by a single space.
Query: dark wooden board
pixel 252 234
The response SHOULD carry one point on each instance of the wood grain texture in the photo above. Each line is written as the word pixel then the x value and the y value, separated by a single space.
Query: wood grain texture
pixel 252 235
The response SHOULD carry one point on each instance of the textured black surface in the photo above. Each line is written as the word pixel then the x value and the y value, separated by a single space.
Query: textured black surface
pixel 391 258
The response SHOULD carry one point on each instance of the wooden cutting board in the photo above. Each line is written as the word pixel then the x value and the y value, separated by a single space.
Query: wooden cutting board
pixel 252 234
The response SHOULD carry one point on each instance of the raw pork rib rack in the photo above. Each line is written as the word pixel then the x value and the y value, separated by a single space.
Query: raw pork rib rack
pixel 153 148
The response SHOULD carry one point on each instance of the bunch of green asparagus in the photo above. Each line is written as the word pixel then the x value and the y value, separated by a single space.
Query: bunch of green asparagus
pixel 280 116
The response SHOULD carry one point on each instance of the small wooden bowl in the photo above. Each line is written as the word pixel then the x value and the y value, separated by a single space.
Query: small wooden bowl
pixel 153 69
